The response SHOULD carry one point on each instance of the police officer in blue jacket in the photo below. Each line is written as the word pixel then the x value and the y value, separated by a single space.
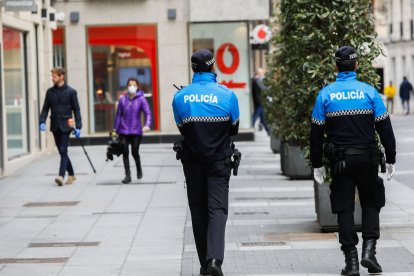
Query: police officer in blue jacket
pixel 351 112
pixel 207 115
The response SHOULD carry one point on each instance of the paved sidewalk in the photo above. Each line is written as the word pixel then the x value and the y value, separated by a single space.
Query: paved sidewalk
pixel 99 227
pixel 272 228
pixel 138 229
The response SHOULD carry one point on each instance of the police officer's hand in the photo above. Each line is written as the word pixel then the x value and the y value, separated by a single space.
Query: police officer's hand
pixel 319 174
pixel 42 127
pixel 145 129
pixel 390 171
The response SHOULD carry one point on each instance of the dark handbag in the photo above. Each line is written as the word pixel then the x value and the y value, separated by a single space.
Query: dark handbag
pixel 114 146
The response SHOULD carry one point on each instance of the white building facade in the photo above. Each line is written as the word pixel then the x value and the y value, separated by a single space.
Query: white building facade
pixel 25 46
pixel 399 42
pixel 103 43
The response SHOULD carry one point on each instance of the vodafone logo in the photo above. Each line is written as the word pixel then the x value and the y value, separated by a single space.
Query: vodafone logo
pixel 262 34
pixel 228 69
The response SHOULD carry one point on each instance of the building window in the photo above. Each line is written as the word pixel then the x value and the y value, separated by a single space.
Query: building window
pixel 404 66
pixel 59 55
pixel 229 42
pixel 15 92
pixel 394 69
pixel 117 53
pixel 412 66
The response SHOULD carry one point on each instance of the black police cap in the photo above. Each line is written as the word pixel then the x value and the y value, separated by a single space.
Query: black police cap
pixel 202 60
pixel 345 53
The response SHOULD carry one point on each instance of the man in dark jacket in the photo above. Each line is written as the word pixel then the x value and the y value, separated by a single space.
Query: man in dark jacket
pixel 405 89
pixel 63 102
pixel 257 88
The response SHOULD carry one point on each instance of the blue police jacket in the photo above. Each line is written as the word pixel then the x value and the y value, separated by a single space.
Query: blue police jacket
pixel 350 111
pixel 207 115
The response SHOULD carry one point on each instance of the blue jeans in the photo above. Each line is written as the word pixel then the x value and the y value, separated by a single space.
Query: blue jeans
pixel 62 143
pixel 259 114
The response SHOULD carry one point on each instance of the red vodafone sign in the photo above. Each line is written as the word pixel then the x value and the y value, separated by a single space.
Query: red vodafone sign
pixel 261 34
pixel 230 68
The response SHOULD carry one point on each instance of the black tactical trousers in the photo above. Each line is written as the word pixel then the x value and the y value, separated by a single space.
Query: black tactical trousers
pixel 360 172
pixel 207 192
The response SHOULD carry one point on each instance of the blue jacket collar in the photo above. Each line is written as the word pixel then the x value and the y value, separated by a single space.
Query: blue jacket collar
pixel 204 77
pixel 346 76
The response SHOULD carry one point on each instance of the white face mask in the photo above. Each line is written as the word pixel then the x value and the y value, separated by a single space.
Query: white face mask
pixel 132 89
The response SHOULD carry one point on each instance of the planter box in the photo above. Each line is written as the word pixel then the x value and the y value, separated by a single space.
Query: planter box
pixel 274 144
pixel 292 162
pixel 282 157
pixel 326 219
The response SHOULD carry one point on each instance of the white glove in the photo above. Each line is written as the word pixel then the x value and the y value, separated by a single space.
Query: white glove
pixel 390 171
pixel 319 174
pixel 145 129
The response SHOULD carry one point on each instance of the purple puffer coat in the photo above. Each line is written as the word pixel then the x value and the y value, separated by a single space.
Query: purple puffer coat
pixel 128 115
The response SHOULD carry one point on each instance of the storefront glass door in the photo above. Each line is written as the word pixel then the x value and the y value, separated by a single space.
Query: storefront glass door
pixel 15 93
pixel 117 53
pixel 230 45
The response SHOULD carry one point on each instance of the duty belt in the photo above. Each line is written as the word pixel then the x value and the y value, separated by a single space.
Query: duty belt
pixel 357 151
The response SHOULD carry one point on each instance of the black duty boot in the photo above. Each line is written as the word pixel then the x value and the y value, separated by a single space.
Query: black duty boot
pixel 214 268
pixel 368 259
pixel 203 271
pixel 351 263
pixel 139 170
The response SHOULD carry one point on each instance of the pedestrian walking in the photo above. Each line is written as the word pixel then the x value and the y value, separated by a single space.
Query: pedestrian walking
pixel 389 92
pixel 405 90
pixel 128 125
pixel 257 88
pixel 351 111
pixel 63 102
pixel 207 115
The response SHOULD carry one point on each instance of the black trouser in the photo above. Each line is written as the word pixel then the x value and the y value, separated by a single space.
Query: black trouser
pixel 406 105
pixel 134 141
pixel 208 197
pixel 361 172
pixel 62 143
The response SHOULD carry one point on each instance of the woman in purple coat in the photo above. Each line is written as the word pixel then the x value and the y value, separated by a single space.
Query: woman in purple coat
pixel 128 125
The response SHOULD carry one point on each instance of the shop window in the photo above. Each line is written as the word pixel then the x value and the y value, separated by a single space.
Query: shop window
pixel 59 56
pixel 117 53
pixel 230 44
pixel 15 92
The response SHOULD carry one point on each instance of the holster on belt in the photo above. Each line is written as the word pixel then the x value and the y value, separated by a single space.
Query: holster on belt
pixel 336 158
